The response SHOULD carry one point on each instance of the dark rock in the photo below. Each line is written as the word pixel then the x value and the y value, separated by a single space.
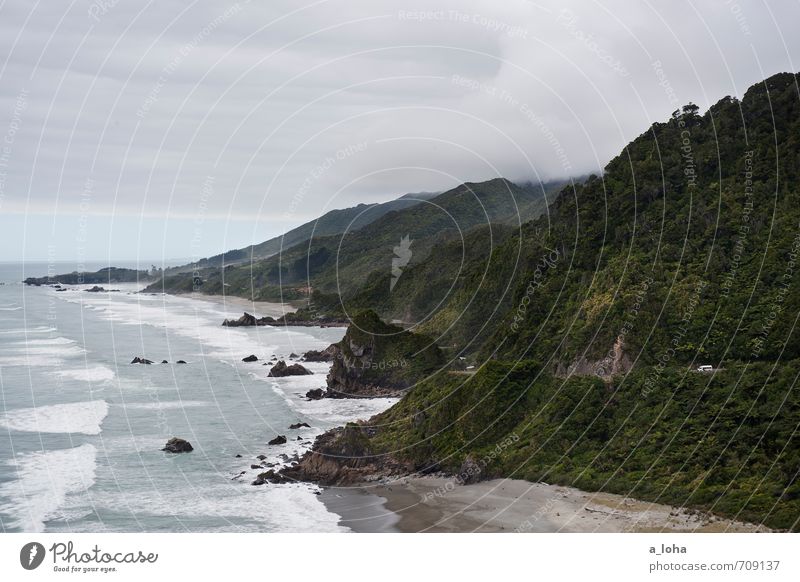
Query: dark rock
pixel 293 355
pixel 470 471
pixel 278 440
pixel 176 445
pixel 271 477
pixel 261 457
pixel 96 289
pixel 250 358
pixel 245 320
pixel 315 394
pixel 299 438
pixel 138 360
pixel 326 355
pixel 299 425
pixel 255 466
pixel 280 370
pixel 180 362
pixel 164 362
pixel 238 456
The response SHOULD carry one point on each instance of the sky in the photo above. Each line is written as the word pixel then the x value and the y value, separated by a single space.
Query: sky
pixel 173 130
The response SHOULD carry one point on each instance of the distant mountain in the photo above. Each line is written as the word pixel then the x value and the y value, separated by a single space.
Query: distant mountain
pixel 342 263
pixel 330 223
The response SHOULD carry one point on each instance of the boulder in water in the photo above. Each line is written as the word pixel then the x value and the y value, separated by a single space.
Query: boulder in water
pixel 176 445
pixel 280 370
pixel 250 358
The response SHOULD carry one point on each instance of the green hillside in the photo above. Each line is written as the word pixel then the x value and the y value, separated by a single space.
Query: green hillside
pixel 341 264
pixel 588 323
pixel 332 222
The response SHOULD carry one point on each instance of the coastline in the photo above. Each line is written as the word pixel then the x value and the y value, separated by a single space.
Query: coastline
pixel 257 308
pixel 435 504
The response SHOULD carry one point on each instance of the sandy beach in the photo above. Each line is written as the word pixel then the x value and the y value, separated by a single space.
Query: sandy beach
pixel 437 504
pixel 257 308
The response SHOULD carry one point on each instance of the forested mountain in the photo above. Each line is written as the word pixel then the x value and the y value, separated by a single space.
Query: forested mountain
pixel 586 326
pixel 332 222
pixel 341 263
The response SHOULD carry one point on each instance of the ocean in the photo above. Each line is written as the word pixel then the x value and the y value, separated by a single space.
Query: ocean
pixel 81 428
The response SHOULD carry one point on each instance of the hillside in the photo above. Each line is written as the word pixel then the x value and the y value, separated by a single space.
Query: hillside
pixel 340 264
pixel 331 223
pixel 587 324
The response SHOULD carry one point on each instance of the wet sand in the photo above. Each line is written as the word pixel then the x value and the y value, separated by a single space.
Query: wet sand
pixel 257 308
pixel 437 504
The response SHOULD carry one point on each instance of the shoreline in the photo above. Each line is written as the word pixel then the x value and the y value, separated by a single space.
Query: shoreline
pixel 436 504
pixel 258 308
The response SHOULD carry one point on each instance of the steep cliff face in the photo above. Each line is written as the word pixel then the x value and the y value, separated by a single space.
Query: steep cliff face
pixel 377 359
pixel 342 456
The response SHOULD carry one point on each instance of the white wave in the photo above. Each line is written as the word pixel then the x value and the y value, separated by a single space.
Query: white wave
pixel 10 308
pixel 23 331
pixel 44 482
pixel 167 404
pixel 53 341
pixel 277 508
pixel 89 374
pixel 195 320
pixel 77 417
pixel 40 352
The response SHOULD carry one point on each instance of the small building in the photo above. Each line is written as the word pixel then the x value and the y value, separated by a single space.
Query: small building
pixel 705 368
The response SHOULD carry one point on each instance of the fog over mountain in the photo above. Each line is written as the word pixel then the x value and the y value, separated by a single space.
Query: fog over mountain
pixel 172 130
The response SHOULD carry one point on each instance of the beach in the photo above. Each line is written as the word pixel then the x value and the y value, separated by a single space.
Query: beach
pixel 232 302
pixel 437 504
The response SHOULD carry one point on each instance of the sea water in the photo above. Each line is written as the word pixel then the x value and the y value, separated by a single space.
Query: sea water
pixel 81 428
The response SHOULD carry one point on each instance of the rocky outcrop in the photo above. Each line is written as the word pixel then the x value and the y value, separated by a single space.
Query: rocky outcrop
pixel 315 394
pixel 376 359
pixel 271 477
pixel 342 456
pixel 245 320
pixel 176 445
pixel 107 275
pixel 616 362
pixel 250 358
pixel 138 360
pixel 278 440
pixel 326 355
pixel 297 425
pixel 301 319
pixel 180 362
pixel 281 370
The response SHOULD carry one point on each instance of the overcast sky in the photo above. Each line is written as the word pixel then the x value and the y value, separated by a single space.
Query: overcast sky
pixel 176 129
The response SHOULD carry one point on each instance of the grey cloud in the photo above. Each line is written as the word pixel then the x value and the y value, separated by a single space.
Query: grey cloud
pixel 148 100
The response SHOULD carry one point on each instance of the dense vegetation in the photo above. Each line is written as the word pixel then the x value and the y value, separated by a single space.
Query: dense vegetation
pixel 586 325
pixel 374 357
pixel 341 263
pixel 333 222
pixel 724 442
